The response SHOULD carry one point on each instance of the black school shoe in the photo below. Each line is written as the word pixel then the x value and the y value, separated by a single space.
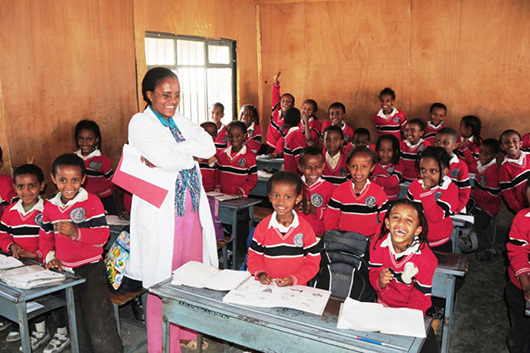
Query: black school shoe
pixel 138 309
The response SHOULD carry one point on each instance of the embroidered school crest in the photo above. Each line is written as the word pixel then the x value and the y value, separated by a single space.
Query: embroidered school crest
pixel 225 138
pixel 95 165
pixel 482 180
pixel 299 240
pixel 421 147
pixel 390 170
pixel 370 201
pixel 283 128
pixel 396 119
pixel 317 200
pixel 38 219
pixel 347 138
pixel 437 195
pixel 455 172
pixel 343 172
pixel 242 162
pixel 78 215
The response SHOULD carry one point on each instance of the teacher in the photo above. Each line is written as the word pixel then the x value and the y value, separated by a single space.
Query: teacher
pixel 181 230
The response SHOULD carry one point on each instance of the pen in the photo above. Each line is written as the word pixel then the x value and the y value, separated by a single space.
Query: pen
pixel 360 338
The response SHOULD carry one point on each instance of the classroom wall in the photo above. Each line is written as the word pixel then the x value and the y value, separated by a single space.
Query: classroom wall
pixel 472 55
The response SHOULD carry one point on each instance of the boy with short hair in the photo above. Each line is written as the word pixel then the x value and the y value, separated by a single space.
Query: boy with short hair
pixel 337 114
pixel 412 147
pixel 389 119
pixel 7 193
pixel 72 235
pixel 361 138
pixel 218 112
pixel 207 166
pixel 514 170
pixel 437 113
pixel 447 138
pixel 295 140
pixel 335 169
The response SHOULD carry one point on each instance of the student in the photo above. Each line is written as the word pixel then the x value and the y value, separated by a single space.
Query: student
pixel 337 114
pixel 514 170
pixel 7 193
pixel 249 115
pixel 72 236
pixel 359 205
pixel 98 166
pixel 280 104
pixel 525 143
pixel 217 114
pixel 517 292
pixel 388 171
pixel 438 112
pixel 412 147
pixel 361 138
pixel 284 248
pixel 236 164
pixel 335 168
pixel 470 140
pixel 208 166
pixel 319 190
pixel 402 266
pixel 295 140
pixel 389 119
pixel 310 125
pixel 437 195
pixel 447 138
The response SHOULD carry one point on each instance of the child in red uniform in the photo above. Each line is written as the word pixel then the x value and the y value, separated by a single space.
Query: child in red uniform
pixel 280 104
pixel 437 113
pixel 359 205
pixel 337 114
pixel 249 115
pixel 517 292
pixel 284 247
pixel 437 195
pixel 217 114
pixel 401 264
pixel 412 147
pixel 447 138
pixel 208 166
pixel 71 237
pixel 525 142
pixel 98 167
pixel 310 125
pixel 389 120
pixel 7 193
pixel 319 190
pixel 295 140
pixel 470 140
pixel 335 168
pixel 361 138
pixel 388 171
pixel 514 171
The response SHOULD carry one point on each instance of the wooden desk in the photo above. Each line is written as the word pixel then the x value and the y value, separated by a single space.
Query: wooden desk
pixel 450 266
pixel 13 306
pixel 268 329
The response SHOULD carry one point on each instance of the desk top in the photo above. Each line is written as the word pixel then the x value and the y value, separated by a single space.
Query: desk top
pixel 451 263
pixel 239 203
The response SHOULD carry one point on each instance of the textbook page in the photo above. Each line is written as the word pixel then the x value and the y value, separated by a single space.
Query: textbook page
pixel 199 275
pixel 7 262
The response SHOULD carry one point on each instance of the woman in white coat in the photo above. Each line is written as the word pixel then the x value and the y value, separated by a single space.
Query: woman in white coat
pixel 181 230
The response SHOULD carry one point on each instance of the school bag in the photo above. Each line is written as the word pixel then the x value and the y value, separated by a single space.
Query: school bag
pixel 344 266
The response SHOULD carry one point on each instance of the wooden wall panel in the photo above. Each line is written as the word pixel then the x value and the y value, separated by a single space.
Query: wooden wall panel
pixel 63 61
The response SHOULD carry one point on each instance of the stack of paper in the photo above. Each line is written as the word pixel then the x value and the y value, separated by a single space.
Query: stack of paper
pixel 7 262
pixel 221 197
pixel 198 275
pixel 253 293
pixel 28 277
pixel 360 316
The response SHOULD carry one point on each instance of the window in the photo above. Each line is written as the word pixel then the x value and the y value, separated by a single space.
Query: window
pixel 206 70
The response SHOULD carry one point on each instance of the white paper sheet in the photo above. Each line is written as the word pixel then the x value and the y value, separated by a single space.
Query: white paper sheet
pixel 198 275
pixel 7 262
pixel 133 165
pixel 222 197
pixel 113 220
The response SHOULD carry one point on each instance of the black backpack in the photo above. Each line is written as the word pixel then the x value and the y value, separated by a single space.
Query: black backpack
pixel 344 266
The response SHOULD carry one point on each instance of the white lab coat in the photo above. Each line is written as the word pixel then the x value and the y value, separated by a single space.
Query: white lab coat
pixel 153 229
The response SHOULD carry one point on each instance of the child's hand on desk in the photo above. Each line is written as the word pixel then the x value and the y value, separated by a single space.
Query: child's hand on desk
pixel 385 277
pixel 284 282
pixel 264 278
pixel 217 189
pixel 240 193
pixel 54 264
pixel 66 228
pixel 15 249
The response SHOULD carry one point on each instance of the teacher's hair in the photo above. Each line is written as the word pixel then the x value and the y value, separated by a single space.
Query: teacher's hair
pixel 152 78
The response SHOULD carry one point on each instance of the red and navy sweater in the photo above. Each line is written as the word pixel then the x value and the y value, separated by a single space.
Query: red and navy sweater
pixel 99 173
pixel 253 138
pixel 319 195
pixel 513 174
pixel 413 272
pixel 340 173
pixel 518 247
pixel 295 141
pixel 221 141
pixel 346 131
pixel 276 129
pixel 87 213
pixel 22 227
pixel 208 173
pixel 430 132
pixel 486 190
pixel 236 171
pixel 439 204
pixel 409 158
pixel 314 127
pixel 470 153
pixel 361 213
pixel 525 141
pixel 7 192
pixel 459 174
pixel 391 125
pixel 281 252
pixel 389 177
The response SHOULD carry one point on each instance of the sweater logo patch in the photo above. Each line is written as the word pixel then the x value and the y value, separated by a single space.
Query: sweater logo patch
pixel 396 119
pixel 455 172
pixel 78 215
pixel 242 162
pixel 482 180
pixel 390 170
pixel 225 138
pixel 347 138
pixel 370 201
pixel 317 200
pixel 421 147
pixel 437 195
pixel 95 165
pixel 38 219
pixel 343 172
pixel 299 240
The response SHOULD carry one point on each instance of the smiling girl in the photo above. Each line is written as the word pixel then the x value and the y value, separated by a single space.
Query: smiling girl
pixel 388 171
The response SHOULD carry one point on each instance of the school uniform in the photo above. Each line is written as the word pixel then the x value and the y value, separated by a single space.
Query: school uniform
pixel 361 213
pixel 335 168
pixel 438 204
pixel 7 192
pixel 295 142
pixel 392 124
pixel 518 247
pixel 470 153
pixel 276 128
pixel 221 141
pixel 280 251
pixel 208 173
pixel 525 141
pixel 409 158
pixel 459 174
pixel 413 271
pixel 389 177
pixel 22 227
pixel 83 256
pixel 237 172
pixel 315 126
pixel 430 132
pixel 513 174
pixel 319 195
pixel 253 138
pixel 346 131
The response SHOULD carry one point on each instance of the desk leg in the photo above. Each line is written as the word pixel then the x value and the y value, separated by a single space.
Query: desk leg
pixel 165 328
pixel 234 239
pixel 23 326
pixel 70 307
pixel 449 311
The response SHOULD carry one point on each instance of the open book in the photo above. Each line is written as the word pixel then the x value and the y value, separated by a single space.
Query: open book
pixel 222 197
pixel 253 293
pixel 9 262
pixel 198 275
pixel 361 316
pixel 33 276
